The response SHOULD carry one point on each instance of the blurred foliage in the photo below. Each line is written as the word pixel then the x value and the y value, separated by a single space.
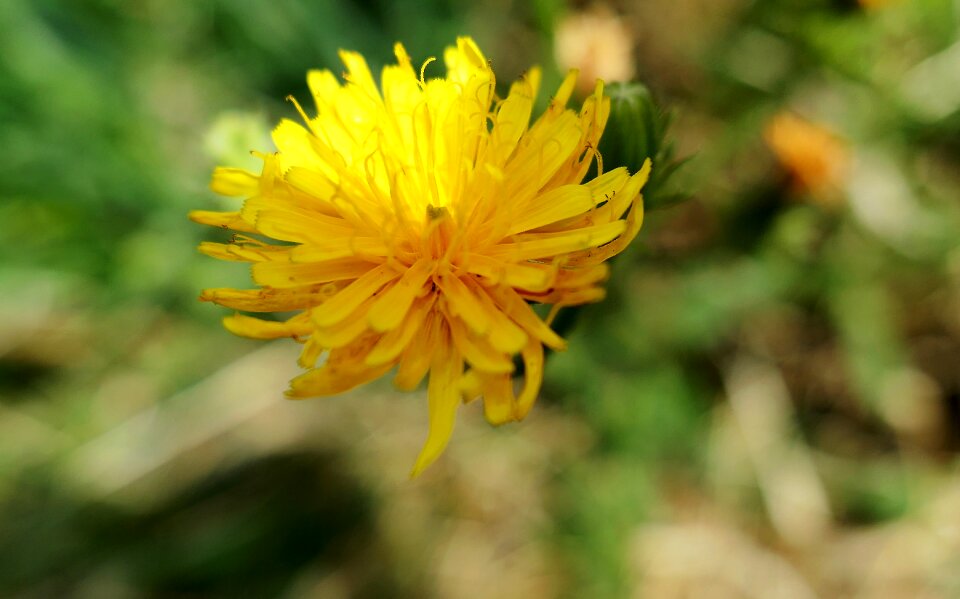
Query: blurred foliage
pixel 130 467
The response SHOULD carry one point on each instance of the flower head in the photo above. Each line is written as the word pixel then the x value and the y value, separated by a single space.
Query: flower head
pixel 813 156
pixel 596 42
pixel 419 220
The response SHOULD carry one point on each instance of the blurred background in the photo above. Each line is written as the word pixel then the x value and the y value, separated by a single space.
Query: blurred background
pixel 767 404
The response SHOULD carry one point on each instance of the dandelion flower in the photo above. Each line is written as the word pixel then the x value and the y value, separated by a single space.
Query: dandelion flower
pixel 417 222
pixel 596 42
pixel 814 157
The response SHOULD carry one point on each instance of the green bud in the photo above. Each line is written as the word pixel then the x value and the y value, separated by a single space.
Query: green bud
pixel 637 130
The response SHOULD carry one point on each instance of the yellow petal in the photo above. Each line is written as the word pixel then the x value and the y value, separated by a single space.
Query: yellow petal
pixel 245 252
pixel 392 343
pixel 627 196
pixel 530 246
pixel 367 247
pixel 566 89
pixel 505 335
pixel 633 223
pixel 269 299
pixel 314 183
pixel 512 118
pixel 533 377
pixel 289 274
pixel 557 204
pixel 401 95
pixel 465 61
pixel 323 86
pixel 463 303
pixel 606 185
pixel 499 403
pixel 224 220
pixel 520 312
pixel 416 358
pixel 296 148
pixel 525 275
pixel 350 297
pixel 470 386
pixel 292 201
pixel 331 379
pixel 303 226
pixel 388 310
pixel 477 351
pixel 234 182
pixel 593 118
pixel 255 328
pixel 310 353
pixel 568 297
pixel 542 153
pixel 358 73
pixel 443 395
pixel 345 331
pixel 582 277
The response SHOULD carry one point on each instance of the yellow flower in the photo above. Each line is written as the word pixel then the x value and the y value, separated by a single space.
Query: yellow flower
pixel 419 223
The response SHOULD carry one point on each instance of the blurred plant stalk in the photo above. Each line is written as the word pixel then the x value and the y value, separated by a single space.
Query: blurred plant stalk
pixel 793 492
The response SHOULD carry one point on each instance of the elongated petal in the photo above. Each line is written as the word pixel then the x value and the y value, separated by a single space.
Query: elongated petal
pixel 323 86
pixel 533 378
pixel 224 220
pixel 392 343
pixel 269 300
pixel 570 278
pixel 499 402
pixel 567 297
pixel 557 204
pixel 525 275
pixel 550 147
pixel 344 331
pixel 256 328
pixel 544 245
pixel 303 226
pixel 311 352
pixel 366 247
pixel 290 274
pixel 389 309
pixel 296 148
pixel 506 335
pixel 627 195
pixel 358 72
pixel 443 395
pixel 521 313
pixel 477 351
pixel 331 380
pixel 234 182
pixel 245 252
pixel 416 358
pixel 350 297
pixel 513 117
pixel 605 185
pixel 597 255
pixel 314 183
pixel 464 304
